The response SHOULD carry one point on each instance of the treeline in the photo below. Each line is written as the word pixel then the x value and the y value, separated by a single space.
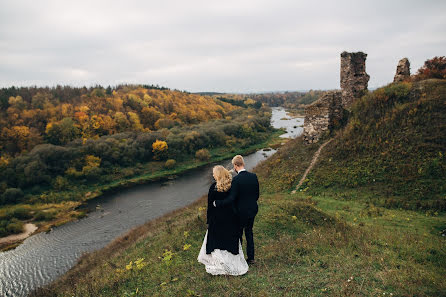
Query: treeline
pixel 241 102
pixel 291 100
pixel 51 168
pixel 31 116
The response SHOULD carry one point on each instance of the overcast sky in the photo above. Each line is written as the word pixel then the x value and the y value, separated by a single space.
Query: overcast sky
pixel 224 45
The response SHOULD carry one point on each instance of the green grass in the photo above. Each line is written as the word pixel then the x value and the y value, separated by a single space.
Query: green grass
pixel 393 147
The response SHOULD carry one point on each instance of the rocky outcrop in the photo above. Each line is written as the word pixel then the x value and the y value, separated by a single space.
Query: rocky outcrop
pixel 354 79
pixel 402 70
pixel 322 115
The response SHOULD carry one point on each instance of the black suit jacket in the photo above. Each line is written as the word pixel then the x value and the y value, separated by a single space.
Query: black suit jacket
pixel 244 194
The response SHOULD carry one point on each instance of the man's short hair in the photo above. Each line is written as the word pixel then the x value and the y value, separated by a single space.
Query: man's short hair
pixel 238 160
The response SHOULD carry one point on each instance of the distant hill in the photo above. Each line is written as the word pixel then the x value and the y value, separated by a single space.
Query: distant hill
pixel 290 100
pixel 208 93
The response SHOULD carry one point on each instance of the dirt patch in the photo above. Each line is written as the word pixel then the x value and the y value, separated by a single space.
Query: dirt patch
pixel 28 229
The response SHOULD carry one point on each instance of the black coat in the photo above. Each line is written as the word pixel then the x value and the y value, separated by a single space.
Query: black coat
pixel 244 194
pixel 223 229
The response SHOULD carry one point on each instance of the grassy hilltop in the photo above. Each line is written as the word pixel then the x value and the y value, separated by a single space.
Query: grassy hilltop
pixel 367 222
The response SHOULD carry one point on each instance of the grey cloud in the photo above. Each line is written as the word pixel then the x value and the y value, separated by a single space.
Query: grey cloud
pixel 236 46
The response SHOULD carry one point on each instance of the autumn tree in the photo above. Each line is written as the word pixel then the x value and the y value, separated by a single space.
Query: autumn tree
pixel 15 139
pixel 159 149
pixel 433 68
pixel 41 100
pixel 62 132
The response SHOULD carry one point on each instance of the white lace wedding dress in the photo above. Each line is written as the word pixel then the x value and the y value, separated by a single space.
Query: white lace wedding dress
pixel 222 261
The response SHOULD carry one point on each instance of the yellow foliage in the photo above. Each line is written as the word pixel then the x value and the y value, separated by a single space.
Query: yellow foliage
pixel 84 108
pixel 159 148
pixel 249 101
pixel 48 127
pixel 3 161
pixel 96 122
pixel 134 120
pixel 92 161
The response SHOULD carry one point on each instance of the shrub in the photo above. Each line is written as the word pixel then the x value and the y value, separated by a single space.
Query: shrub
pixel 60 183
pixel 12 195
pixel 21 213
pixel 203 155
pixel 170 164
pixel 44 216
pixel 159 149
pixel 433 68
pixel 15 227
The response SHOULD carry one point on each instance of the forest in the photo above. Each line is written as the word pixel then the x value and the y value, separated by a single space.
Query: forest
pixel 57 144
pixel 31 116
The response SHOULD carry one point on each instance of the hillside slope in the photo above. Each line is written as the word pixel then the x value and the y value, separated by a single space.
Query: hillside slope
pixel 394 147
pixel 317 242
pixel 30 116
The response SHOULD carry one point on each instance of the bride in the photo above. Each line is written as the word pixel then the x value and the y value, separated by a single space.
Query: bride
pixel 221 251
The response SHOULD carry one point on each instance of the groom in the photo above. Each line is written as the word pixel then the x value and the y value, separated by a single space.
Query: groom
pixel 244 194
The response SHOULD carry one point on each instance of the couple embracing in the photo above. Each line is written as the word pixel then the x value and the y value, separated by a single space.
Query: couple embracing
pixel 232 207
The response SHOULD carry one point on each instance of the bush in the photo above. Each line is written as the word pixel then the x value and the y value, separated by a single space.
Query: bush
pixel 433 68
pixel 21 213
pixel 60 183
pixel 170 164
pixel 12 195
pixel 159 149
pixel 15 227
pixel 203 155
pixel 44 216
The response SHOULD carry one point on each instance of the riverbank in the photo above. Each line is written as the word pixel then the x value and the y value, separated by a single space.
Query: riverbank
pixel 306 245
pixel 28 229
pixel 67 211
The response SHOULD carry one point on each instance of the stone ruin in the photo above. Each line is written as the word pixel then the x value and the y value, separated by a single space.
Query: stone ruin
pixel 354 79
pixel 322 115
pixel 402 70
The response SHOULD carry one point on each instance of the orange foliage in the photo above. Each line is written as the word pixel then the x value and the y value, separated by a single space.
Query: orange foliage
pixel 95 113
pixel 433 68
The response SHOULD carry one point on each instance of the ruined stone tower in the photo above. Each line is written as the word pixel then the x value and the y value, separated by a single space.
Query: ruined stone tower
pixel 402 70
pixel 354 79
pixel 323 114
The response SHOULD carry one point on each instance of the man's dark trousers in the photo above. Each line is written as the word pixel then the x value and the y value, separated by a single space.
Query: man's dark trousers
pixel 247 225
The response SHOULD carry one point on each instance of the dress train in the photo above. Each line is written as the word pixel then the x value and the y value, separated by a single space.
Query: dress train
pixel 222 261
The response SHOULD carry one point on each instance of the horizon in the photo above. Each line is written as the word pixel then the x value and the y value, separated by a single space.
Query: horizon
pixel 232 47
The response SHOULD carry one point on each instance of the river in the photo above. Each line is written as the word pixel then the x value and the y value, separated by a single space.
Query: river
pixel 43 257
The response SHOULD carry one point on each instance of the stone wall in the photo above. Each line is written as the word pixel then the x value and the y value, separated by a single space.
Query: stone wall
pixel 354 79
pixel 321 115
pixel 402 70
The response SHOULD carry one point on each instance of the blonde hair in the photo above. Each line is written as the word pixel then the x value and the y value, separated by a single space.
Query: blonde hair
pixel 223 178
pixel 238 160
